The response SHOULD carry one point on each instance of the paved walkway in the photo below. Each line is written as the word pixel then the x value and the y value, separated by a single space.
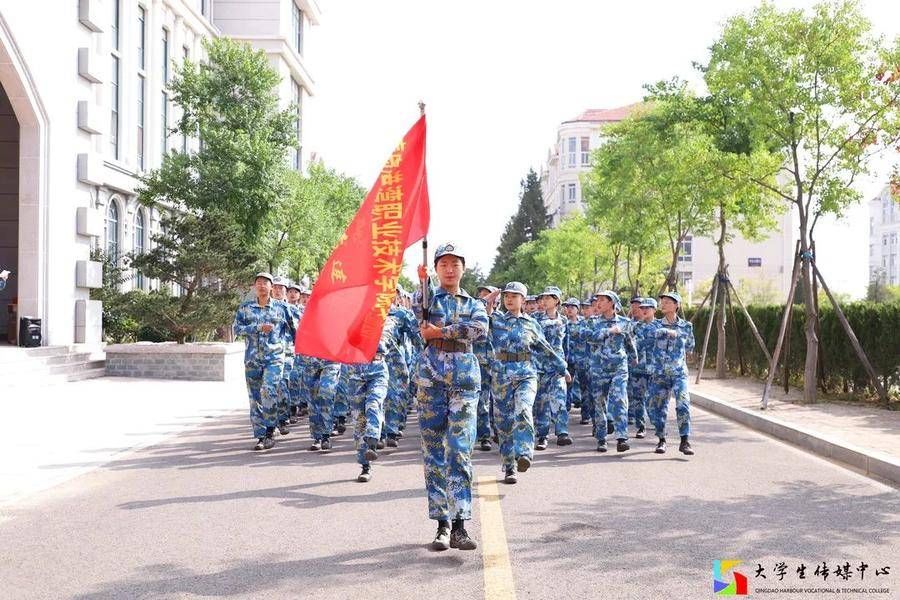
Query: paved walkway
pixel 864 426
pixel 51 434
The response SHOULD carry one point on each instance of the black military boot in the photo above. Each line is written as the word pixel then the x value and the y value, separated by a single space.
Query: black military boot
pixel 459 538
pixel 622 445
pixel 661 446
pixel 685 446
pixel 371 451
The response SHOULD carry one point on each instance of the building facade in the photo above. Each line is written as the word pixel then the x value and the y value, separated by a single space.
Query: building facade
pixel 570 158
pixel 884 231
pixel 761 270
pixel 85 110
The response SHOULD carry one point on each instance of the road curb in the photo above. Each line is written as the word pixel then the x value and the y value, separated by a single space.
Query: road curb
pixel 871 463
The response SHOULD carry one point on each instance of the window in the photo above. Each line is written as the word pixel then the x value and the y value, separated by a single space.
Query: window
pixel 572 142
pixel 884 239
pixel 142 20
pixel 686 253
pixel 114 109
pixel 139 245
pixel 297 93
pixel 298 28
pixel 204 7
pixel 140 122
pixel 164 100
pixel 114 28
pixel 186 55
pixel 585 151
pixel 562 194
pixel 114 82
pixel 111 232
pixel 572 192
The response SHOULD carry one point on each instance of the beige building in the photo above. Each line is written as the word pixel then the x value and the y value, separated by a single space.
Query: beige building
pixel 761 270
pixel 85 109
pixel 884 231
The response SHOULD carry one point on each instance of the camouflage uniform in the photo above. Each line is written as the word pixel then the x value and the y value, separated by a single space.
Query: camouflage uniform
pixel 295 380
pixel 518 344
pixel 639 373
pixel 448 384
pixel 482 349
pixel 573 391
pixel 580 363
pixel 341 395
pixel 399 326
pixel 264 358
pixel 367 388
pixel 609 358
pixel 669 374
pixel 284 391
pixel 550 402
pixel 320 381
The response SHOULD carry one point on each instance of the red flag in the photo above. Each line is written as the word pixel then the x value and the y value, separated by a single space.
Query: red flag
pixel 354 291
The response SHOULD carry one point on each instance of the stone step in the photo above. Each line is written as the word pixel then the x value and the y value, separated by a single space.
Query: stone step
pixel 76 367
pixel 88 374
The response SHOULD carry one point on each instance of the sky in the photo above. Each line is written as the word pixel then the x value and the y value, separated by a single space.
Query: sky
pixel 498 77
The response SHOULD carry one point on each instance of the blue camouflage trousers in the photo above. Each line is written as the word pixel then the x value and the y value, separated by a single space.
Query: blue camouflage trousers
pixel 610 395
pixel 341 394
pixel 583 378
pixel 485 405
pixel 573 392
pixel 295 382
pixel 263 380
pixel 284 391
pixel 550 405
pixel 513 406
pixel 397 399
pixel 320 381
pixel 661 387
pixel 368 387
pixel 447 420
pixel 638 389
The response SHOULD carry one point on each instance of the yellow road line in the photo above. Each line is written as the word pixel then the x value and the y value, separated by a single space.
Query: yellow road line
pixel 498 578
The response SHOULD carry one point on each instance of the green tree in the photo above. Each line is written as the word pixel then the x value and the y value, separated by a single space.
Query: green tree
pixel 216 200
pixel 525 226
pixel 823 88
pixel 306 224
pixel 573 256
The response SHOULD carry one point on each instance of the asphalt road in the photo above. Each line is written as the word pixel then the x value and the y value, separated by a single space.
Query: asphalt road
pixel 200 516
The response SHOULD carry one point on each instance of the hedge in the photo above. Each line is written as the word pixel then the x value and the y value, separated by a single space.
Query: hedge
pixel 877 327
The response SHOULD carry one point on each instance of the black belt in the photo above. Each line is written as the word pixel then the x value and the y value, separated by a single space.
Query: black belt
pixel 514 356
pixel 449 345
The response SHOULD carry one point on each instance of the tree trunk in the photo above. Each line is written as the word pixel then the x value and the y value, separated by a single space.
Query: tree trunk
pixel 721 371
pixel 812 340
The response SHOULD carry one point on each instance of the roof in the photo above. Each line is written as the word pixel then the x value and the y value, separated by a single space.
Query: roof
pixel 606 115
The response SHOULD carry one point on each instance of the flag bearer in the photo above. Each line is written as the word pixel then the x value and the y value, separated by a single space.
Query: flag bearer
pixel 449 382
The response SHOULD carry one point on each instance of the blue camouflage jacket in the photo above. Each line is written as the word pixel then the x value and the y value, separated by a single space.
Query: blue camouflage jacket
pixel 644 338
pixel 461 318
pixel 667 353
pixel 402 329
pixel 555 331
pixel 610 353
pixel 265 347
pixel 518 335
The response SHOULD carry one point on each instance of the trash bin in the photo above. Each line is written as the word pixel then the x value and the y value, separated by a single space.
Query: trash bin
pixel 29 332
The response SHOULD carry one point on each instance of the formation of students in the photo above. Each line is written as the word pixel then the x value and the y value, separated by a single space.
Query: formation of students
pixel 503 368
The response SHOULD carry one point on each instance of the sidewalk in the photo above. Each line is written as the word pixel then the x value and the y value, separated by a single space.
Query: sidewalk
pixel 52 434
pixel 862 437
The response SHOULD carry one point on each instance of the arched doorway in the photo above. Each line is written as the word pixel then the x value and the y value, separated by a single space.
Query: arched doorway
pixel 23 187
pixel 9 208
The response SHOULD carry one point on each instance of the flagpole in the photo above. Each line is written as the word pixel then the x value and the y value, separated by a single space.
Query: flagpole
pixel 424 251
